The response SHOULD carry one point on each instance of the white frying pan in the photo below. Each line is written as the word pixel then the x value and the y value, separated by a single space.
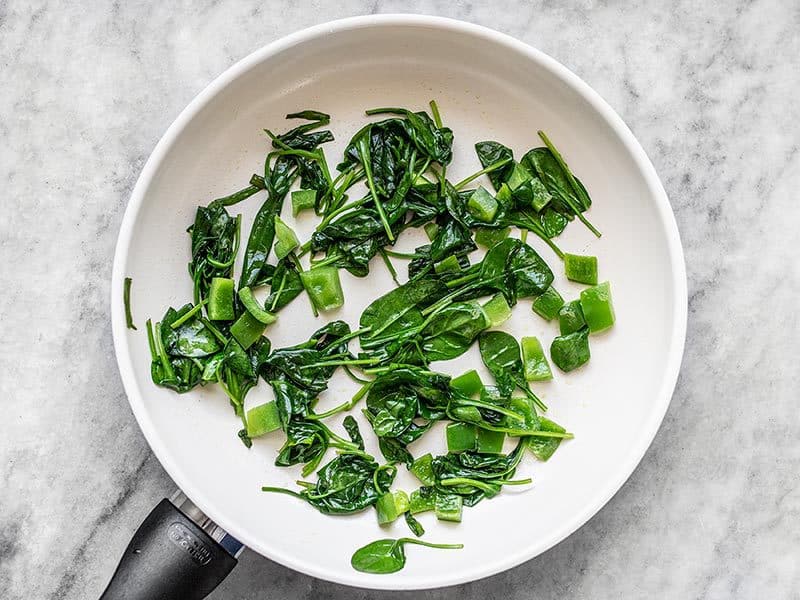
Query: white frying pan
pixel 488 86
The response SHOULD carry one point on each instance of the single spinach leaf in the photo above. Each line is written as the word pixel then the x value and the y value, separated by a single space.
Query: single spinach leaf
pixel 516 270
pixel 451 332
pixel 489 153
pixel 215 241
pixel 400 309
pixel 388 556
pixel 174 372
pixel 543 447
pixel 475 476
pixel 571 351
pixel 298 374
pixel 285 286
pixel 351 427
pixel 262 233
pixel 348 484
pixel 191 339
pixel 501 355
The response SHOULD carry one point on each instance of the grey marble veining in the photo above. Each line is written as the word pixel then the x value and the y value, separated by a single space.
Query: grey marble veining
pixel 710 89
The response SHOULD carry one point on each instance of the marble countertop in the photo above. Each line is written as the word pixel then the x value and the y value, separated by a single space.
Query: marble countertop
pixel 709 89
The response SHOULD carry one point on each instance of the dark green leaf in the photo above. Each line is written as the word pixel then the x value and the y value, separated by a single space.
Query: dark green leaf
pixel 285 286
pixel 491 152
pixel 501 355
pixel 192 339
pixel 387 556
pixel 348 484
pixel 571 351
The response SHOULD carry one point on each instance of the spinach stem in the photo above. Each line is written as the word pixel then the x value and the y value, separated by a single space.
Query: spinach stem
pixel 360 393
pixel 339 363
pixel 402 254
pixel 335 213
pixel 353 334
pixel 217 333
pixel 258 181
pixel 529 433
pixel 355 377
pixel 525 481
pixel 150 340
pixel 387 324
pixel 344 406
pixel 389 266
pixel 492 167
pixel 280 490
pixel 325 261
pixel 393 366
pixel 277 295
pixel 162 353
pixel 492 407
pixel 304 249
pixel 578 213
pixel 333 411
pixel 576 187
pixel 236 237
pixel 579 191
pixel 437 118
pixel 491 488
pixel 529 393
pixel 430 545
pixel 363 149
pixel 463 279
pixel 256 185
pixel 543 236
pixel 388 110
pixel 126 299
pixel 188 315
pixel 447 300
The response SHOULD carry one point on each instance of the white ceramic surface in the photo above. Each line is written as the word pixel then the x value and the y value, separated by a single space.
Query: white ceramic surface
pixel 488 86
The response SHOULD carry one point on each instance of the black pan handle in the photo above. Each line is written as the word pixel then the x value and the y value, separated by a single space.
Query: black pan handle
pixel 172 557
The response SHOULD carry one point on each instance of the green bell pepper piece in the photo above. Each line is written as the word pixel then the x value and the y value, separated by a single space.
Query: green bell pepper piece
pixel 598 310
pixel 254 307
pixel 422 500
pixel 533 359
pixel 247 330
pixel 390 506
pixel 482 205
pixel 497 310
pixel 448 265
pixel 548 304
pixel 285 238
pixel 323 287
pixel 570 317
pixel 431 229
pixel 460 437
pixel 303 200
pixel 220 299
pixel 468 383
pixel 262 419
pixel 490 442
pixel 448 507
pixel 490 236
pixel 423 469
pixel 582 269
